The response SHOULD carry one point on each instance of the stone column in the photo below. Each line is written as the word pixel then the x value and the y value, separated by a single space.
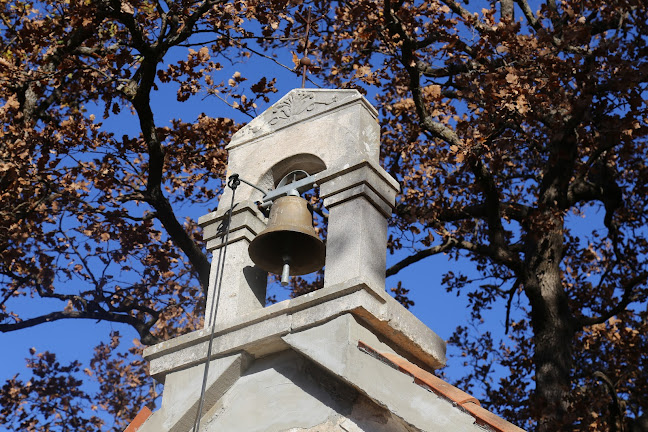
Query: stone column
pixel 360 200
pixel 243 288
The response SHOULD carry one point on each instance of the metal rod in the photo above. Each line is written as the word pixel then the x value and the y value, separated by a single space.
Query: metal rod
pixel 233 183
pixel 250 184
pixel 305 68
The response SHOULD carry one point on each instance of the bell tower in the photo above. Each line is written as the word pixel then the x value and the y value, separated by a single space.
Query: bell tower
pixel 334 137
pixel 345 358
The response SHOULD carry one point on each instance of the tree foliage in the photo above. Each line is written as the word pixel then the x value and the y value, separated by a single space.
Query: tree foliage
pixel 517 131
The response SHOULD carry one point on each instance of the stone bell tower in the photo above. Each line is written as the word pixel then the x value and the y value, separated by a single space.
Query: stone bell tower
pixel 347 357
pixel 334 136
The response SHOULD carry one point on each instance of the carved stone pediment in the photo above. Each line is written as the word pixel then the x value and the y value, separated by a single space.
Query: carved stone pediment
pixel 298 105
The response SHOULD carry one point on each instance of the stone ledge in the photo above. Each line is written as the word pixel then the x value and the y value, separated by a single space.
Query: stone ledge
pixel 365 191
pixel 246 223
pixel 246 209
pixel 260 333
pixel 335 181
pixel 241 233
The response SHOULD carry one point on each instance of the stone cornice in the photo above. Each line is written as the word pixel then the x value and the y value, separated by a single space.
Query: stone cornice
pixel 260 332
pixel 363 179
pixel 297 106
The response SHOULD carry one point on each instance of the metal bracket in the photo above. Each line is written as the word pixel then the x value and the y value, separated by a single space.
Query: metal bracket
pixel 284 188
pixel 299 186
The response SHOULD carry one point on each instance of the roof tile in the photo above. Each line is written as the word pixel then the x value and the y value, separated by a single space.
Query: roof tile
pixel 442 388
pixel 139 420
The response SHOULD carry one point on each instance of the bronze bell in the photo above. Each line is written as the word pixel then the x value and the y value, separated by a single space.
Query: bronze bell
pixel 289 245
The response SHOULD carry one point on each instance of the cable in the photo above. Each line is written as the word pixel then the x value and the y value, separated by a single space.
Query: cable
pixel 251 184
pixel 233 182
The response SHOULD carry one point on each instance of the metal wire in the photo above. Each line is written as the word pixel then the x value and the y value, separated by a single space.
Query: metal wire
pixel 233 182
pixel 264 192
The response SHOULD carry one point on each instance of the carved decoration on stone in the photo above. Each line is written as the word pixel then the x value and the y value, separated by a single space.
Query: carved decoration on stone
pixel 248 131
pixel 297 103
pixel 294 107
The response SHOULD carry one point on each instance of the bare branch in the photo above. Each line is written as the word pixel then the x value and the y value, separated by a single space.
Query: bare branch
pixel 496 232
pixel 449 243
pixel 617 412
pixel 139 40
pixel 446 71
pixel 626 299
pixel 506 8
pixel 528 13
pixel 143 82
pixel 418 256
pixel 515 211
pixel 187 28
pixel 509 303
pixel 143 328
pixel 467 16
pixel 408 59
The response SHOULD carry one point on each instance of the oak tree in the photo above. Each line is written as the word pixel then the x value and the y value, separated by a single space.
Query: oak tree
pixel 506 123
pixel 517 131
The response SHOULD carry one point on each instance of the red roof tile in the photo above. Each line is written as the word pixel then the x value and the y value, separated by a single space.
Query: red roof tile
pixel 139 420
pixel 442 388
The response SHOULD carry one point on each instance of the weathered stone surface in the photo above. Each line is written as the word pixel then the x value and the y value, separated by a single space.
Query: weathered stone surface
pixel 365 179
pixel 359 198
pixel 287 392
pixel 259 332
pixel 243 287
pixel 331 133
pixel 298 106
pixel 366 416
pixel 245 216
pixel 182 391
pixel 275 395
pixel 356 246
pixel 322 129
pixel 334 346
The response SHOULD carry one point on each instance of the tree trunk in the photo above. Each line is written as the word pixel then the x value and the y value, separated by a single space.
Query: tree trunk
pixel 552 323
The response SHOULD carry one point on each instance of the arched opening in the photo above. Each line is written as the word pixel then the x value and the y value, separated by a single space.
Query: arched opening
pixel 303 161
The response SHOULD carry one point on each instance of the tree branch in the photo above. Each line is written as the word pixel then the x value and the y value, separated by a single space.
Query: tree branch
pixel 448 244
pixel 408 59
pixel 507 11
pixel 467 16
pixel 143 328
pixel 448 70
pixel 496 232
pixel 128 20
pixel 91 308
pixel 515 211
pixel 498 250
pixel 509 303
pixel 140 98
pixel 155 197
pixel 181 31
pixel 626 299
pixel 617 412
pixel 528 13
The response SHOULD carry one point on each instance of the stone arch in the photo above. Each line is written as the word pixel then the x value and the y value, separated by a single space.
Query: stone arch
pixel 303 161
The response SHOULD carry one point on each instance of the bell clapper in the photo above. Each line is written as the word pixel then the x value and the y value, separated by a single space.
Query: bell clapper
pixel 285 273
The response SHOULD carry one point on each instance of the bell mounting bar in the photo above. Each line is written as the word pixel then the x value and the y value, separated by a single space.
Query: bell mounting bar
pixel 286 189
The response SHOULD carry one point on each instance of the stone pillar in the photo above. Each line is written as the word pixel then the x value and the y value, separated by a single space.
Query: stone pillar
pixel 360 200
pixel 243 288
